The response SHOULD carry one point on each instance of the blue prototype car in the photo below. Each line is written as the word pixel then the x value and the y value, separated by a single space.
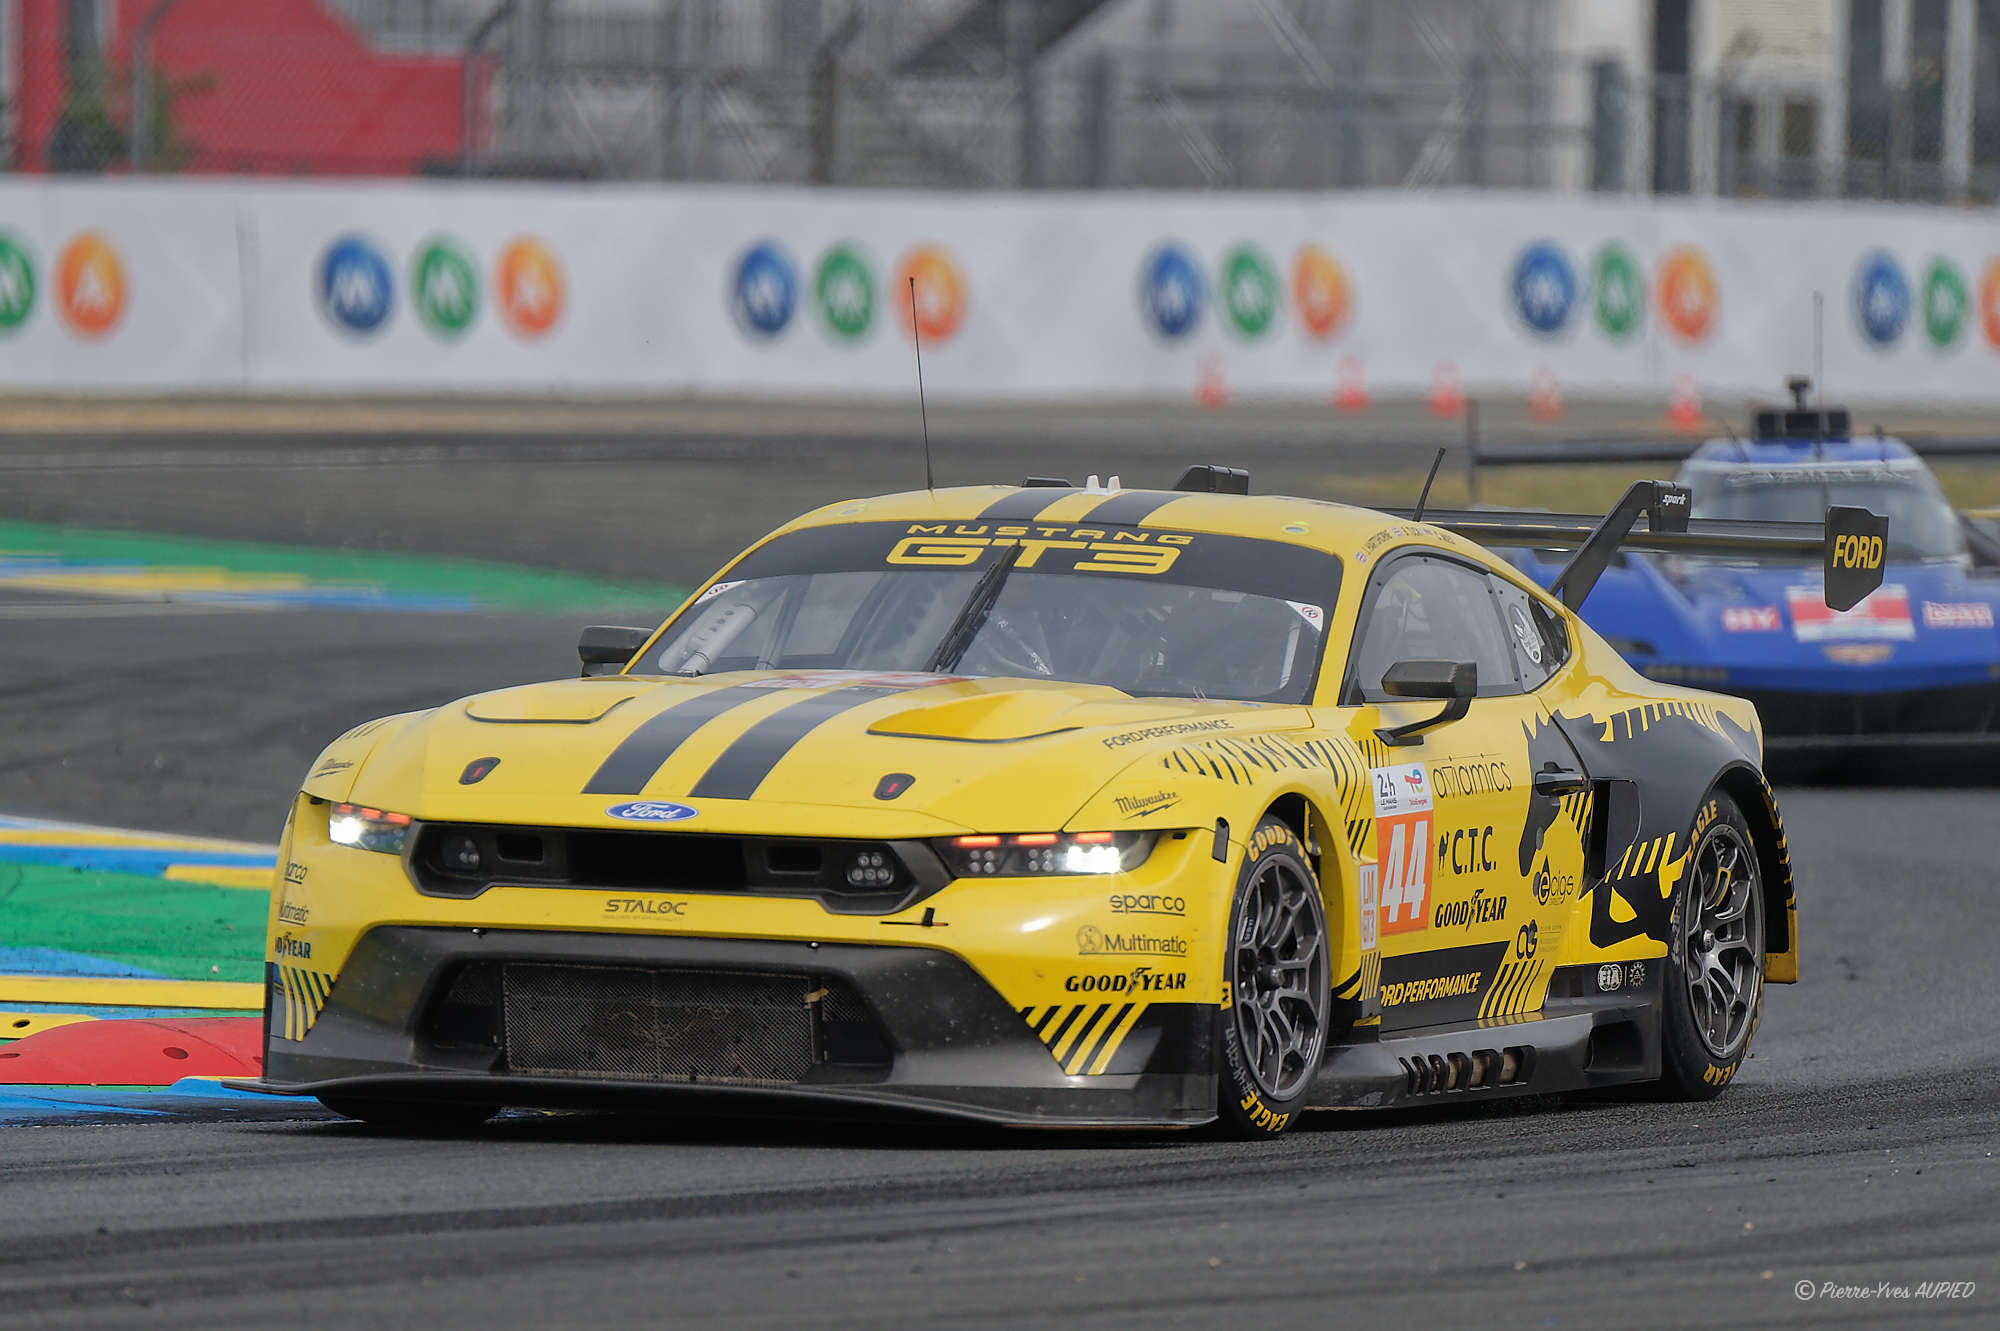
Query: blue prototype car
pixel 1918 660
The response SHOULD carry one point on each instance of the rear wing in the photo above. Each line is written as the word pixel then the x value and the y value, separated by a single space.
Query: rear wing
pixel 1851 545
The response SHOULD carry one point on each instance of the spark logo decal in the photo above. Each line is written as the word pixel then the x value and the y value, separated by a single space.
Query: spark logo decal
pixel 1171 291
pixel 444 287
pixel 765 291
pixel 17 284
pixel 844 292
pixel 90 285
pixel 1881 299
pixel 941 294
pixel 1249 290
pixel 1320 292
pixel 1946 303
pixel 355 290
pixel 1544 288
pixel 528 287
pixel 1619 296
pixel 1688 298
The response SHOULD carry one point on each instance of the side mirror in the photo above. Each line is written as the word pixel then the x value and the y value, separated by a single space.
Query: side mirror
pixel 1456 682
pixel 604 649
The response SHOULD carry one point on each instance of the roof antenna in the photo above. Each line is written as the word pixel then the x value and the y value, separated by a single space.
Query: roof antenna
pixel 930 482
pixel 1418 516
pixel 1734 438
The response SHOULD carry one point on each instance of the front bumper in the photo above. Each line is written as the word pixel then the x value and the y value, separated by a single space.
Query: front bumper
pixel 921 1032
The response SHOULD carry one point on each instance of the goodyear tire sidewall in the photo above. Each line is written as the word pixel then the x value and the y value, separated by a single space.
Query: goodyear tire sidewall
pixel 1243 1108
pixel 1689 1069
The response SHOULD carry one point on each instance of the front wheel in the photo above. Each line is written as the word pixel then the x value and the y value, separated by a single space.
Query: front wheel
pixel 1715 958
pixel 1274 1027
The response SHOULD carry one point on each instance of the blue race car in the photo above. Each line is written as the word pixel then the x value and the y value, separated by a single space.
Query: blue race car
pixel 1918 660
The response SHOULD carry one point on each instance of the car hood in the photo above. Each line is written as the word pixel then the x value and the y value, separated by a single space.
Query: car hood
pixel 806 753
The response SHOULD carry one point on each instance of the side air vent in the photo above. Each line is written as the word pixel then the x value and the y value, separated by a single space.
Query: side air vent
pixel 1480 1069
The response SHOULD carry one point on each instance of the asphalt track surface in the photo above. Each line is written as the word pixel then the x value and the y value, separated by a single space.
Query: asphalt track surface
pixel 1857 1147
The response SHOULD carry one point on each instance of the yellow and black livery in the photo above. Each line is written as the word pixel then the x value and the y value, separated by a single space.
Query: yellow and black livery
pixel 1048 805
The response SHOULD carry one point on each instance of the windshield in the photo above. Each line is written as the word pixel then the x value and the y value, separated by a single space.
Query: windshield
pixel 1921 524
pixel 1149 613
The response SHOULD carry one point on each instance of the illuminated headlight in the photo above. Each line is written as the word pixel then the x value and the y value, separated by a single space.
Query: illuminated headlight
pixel 368 829
pixel 1039 854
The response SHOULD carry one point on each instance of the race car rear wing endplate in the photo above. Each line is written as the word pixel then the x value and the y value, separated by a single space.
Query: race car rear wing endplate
pixel 1851 544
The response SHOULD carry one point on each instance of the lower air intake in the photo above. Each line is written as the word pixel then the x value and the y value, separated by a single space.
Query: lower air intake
pixel 662 1025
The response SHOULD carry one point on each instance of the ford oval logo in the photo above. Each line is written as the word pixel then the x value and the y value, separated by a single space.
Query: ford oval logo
pixel 651 811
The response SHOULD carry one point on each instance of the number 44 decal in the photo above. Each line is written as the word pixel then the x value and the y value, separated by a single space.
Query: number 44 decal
pixel 1402 849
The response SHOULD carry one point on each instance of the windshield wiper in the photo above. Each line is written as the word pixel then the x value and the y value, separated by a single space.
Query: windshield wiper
pixel 972 615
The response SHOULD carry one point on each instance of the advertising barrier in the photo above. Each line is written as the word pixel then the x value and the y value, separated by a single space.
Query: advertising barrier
pixel 212 286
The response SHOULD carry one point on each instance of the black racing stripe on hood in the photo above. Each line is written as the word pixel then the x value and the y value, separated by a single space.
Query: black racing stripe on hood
pixel 1027 502
pixel 1132 507
pixel 742 767
pixel 633 763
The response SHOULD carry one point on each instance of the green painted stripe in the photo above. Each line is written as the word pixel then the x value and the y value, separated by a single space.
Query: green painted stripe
pixel 490 585
pixel 178 930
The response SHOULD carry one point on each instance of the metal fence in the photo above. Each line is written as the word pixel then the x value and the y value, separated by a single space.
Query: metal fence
pixel 1317 94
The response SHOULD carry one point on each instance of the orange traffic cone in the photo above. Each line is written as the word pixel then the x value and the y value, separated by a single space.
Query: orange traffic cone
pixel 1545 400
pixel 1211 391
pixel 1684 410
pixel 1447 399
pixel 1352 393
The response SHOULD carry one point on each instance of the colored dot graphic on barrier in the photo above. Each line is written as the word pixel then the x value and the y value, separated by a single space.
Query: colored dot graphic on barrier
pixel 1172 291
pixel 529 288
pixel 1619 292
pixel 17 283
pixel 940 293
pixel 844 293
pixel 1881 298
pixel 90 285
pixel 1946 303
pixel 764 290
pixel 1248 290
pixel 1320 292
pixel 444 287
pixel 1545 288
pixel 354 288
pixel 1688 297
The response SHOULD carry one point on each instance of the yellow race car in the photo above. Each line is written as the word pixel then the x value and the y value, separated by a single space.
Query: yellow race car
pixel 1059 806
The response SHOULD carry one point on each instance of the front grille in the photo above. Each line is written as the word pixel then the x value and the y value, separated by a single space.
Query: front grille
pixel 1967 710
pixel 644 1024
pixel 466 859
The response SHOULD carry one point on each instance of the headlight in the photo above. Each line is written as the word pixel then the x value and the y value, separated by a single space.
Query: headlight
pixel 368 829
pixel 1039 854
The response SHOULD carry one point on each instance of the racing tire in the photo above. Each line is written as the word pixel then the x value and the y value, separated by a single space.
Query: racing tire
pixel 1274 1026
pixel 1714 981
pixel 417 1118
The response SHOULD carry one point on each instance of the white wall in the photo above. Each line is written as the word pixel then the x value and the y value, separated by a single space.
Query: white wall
pixel 221 286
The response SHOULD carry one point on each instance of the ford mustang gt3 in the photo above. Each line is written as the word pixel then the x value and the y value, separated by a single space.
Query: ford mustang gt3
pixel 1059 806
